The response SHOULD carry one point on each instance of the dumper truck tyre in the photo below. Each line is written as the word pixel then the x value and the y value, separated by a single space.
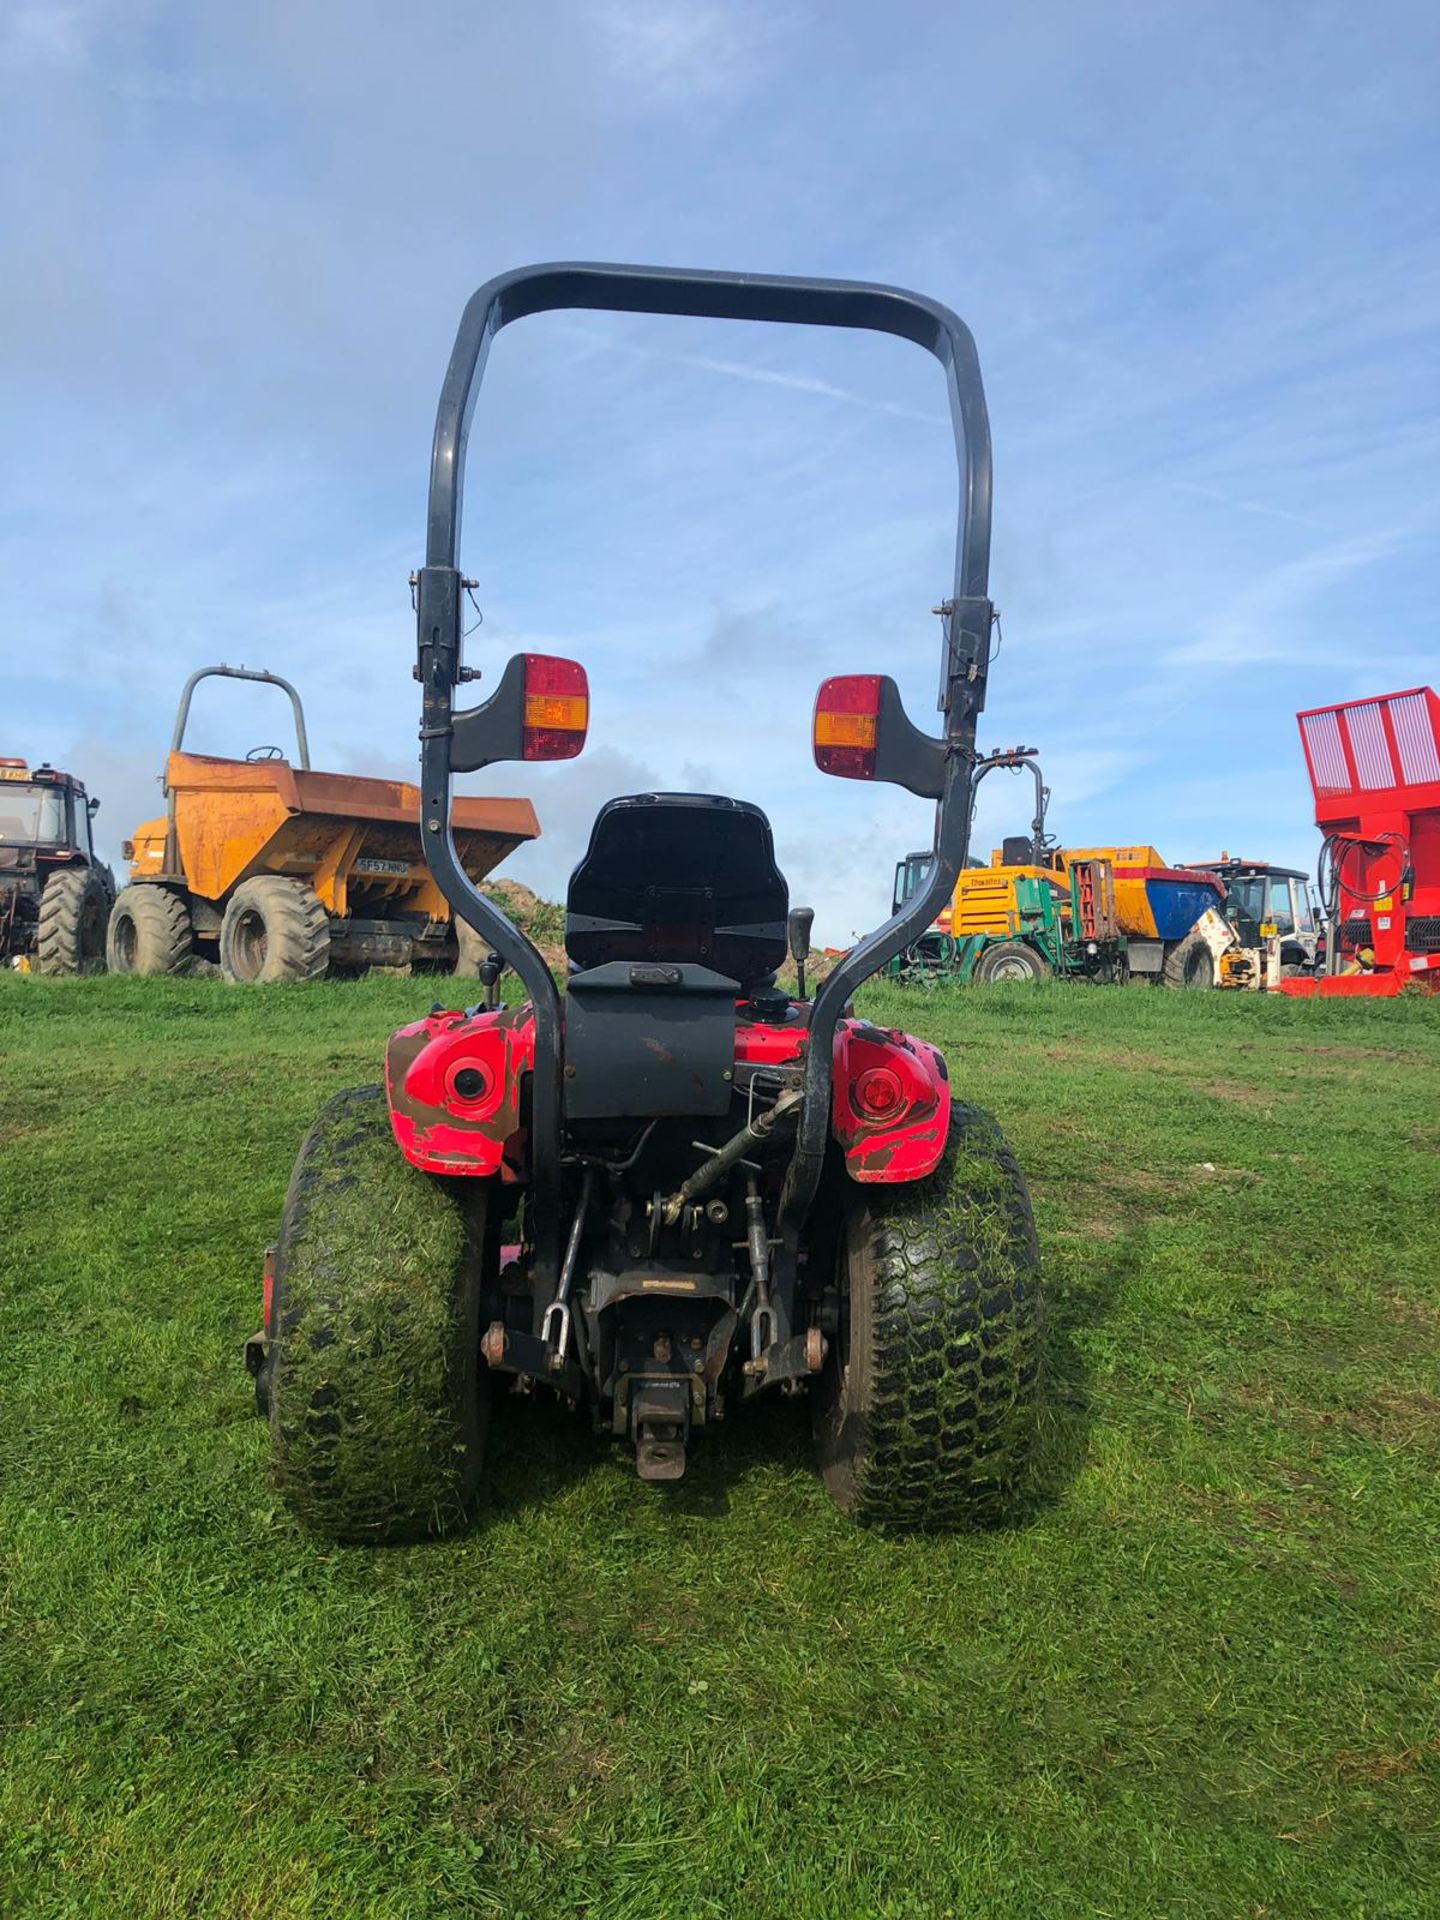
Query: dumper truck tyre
pixel 1011 960
pixel 470 950
pixel 1189 963
pixel 70 927
pixel 924 1413
pixel 378 1399
pixel 149 932
pixel 274 929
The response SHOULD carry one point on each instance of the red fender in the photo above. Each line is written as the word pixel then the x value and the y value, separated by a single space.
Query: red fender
pixel 890 1103
pixel 453 1083
pixel 454 1079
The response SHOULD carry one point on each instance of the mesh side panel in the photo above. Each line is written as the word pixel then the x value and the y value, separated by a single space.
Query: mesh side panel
pixel 1327 756
pixel 1415 737
pixel 1355 933
pixel 1422 933
pixel 1369 746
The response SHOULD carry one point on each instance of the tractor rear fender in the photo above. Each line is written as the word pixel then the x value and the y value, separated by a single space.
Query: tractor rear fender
pixel 890 1103
pixel 454 1082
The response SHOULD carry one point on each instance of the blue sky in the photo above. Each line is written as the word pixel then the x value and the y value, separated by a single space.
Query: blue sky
pixel 1197 244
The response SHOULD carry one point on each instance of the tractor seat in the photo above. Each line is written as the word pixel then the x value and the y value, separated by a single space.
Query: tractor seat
pixel 680 878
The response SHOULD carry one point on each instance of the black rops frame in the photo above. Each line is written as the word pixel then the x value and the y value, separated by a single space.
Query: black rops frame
pixel 967 616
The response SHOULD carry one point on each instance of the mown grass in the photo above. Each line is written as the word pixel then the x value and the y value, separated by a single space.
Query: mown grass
pixel 1198 1677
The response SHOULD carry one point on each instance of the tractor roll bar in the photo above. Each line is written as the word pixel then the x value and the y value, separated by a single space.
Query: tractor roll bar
pixel 967 615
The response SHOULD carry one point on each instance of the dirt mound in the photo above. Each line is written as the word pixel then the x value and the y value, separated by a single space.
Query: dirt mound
pixel 542 920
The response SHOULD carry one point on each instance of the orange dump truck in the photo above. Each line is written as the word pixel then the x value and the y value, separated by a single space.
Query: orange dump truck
pixel 279 872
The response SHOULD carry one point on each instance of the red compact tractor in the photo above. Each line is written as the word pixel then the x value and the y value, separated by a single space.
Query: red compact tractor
pixel 669 1185
pixel 1375 768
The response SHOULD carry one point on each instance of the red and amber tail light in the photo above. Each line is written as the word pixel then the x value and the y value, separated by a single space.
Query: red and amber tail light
pixel 557 707
pixel 847 725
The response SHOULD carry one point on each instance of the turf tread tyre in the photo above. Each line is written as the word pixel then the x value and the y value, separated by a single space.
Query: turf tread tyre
pixel 149 932
pixel 70 925
pixel 924 1417
pixel 1005 959
pixel 274 930
pixel 378 1401
pixel 1189 963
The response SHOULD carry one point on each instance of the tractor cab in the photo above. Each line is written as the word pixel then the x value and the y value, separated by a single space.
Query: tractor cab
pixel 911 873
pixel 44 813
pixel 1264 902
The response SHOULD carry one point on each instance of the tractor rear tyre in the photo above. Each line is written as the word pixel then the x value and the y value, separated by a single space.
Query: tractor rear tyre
pixel 274 929
pixel 70 930
pixel 377 1398
pixel 1011 960
pixel 1189 964
pixel 149 932
pixel 924 1414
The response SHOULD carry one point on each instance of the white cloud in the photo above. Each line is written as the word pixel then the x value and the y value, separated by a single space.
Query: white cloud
pixel 674 52
pixel 46 33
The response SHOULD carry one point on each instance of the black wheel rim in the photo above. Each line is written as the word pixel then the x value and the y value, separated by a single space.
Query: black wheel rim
pixel 249 944
pixel 123 941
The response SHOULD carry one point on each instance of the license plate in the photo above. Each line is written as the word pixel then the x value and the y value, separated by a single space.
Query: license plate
pixel 398 867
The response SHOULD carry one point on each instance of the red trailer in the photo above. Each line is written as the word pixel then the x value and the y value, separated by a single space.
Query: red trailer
pixel 1375 767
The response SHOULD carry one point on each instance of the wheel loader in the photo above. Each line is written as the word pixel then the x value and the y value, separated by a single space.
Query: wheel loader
pixel 277 872
pixel 663 1186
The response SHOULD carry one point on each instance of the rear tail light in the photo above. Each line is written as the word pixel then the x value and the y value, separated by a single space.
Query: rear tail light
pixel 470 1085
pixel 847 725
pixel 557 707
pixel 879 1094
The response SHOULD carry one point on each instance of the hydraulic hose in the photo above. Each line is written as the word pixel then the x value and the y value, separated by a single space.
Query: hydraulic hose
pixel 1330 881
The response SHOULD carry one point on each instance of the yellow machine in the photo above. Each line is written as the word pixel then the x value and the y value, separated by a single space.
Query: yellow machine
pixel 1094 913
pixel 988 899
pixel 282 873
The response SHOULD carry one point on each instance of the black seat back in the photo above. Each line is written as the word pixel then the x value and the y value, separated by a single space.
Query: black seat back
pixel 679 877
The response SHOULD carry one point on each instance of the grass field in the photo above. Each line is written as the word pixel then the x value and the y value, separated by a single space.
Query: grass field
pixel 1198 1677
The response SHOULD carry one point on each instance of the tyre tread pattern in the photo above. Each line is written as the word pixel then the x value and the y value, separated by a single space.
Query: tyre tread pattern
pixel 297 927
pixel 995 956
pixel 59 929
pixel 1176 970
pixel 470 950
pixel 955 1335
pixel 377 1396
pixel 164 940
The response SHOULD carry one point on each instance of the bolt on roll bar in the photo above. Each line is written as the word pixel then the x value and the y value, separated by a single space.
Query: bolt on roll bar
pixel 967 615
pixel 182 713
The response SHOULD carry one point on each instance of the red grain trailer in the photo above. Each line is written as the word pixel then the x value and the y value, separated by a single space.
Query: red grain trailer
pixel 1375 767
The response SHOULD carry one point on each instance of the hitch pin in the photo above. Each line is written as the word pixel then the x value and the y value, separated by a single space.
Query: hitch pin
pixel 762 1320
pixel 555 1325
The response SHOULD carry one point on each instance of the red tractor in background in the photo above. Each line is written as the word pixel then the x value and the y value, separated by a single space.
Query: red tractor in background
pixel 55 895
pixel 1375 769
pixel 668 1186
